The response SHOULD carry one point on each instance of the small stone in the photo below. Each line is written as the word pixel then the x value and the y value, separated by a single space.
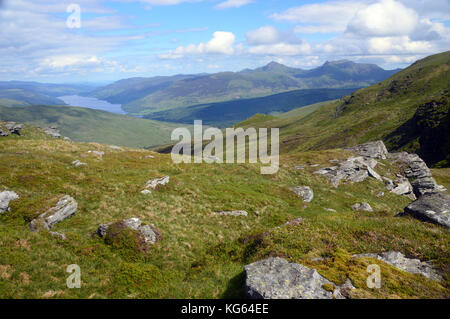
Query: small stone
pixel 77 163
pixel 97 153
pixel 154 183
pixel 146 192
pixel 331 210
pixel 362 207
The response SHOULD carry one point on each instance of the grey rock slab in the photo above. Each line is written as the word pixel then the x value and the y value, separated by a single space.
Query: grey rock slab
pixel 431 207
pixel 276 278
pixel 375 149
pixel 66 207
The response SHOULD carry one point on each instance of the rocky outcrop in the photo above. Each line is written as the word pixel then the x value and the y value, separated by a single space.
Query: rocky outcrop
pixel 157 182
pixel 400 186
pixel 10 128
pixel 233 213
pixel 413 266
pixel 5 198
pixel 431 207
pixel 364 207
pixel 414 168
pixel 276 278
pixel 375 149
pixel 354 169
pixel 65 208
pixel 305 192
pixel 147 234
pixel 52 131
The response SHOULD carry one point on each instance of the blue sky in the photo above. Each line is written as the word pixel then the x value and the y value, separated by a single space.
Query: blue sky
pixel 125 38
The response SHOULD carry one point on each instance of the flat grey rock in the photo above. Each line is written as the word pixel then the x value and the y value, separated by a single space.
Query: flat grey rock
pixel 233 213
pixel 276 278
pixel 375 149
pixel 5 198
pixel 305 192
pixel 147 232
pixel 411 265
pixel 431 207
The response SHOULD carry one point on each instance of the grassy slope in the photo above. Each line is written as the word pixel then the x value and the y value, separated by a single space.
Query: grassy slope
pixel 201 255
pixel 87 125
pixel 376 112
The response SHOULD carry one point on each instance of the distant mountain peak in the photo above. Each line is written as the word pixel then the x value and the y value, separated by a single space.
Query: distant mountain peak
pixel 274 66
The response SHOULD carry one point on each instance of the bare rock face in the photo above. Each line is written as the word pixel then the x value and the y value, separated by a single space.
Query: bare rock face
pixel 413 266
pixel 154 183
pixel 233 213
pixel 305 192
pixel 146 234
pixel 5 198
pixel 416 169
pixel 431 207
pixel 362 207
pixel 65 208
pixel 375 149
pixel 354 169
pixel 276 278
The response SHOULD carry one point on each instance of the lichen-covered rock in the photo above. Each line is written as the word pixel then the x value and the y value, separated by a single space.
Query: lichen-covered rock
pixel 343 291
pixel 305 192
pixel 431 207
pixel 155 183
pixel 411 265
pixel 233 213
pixel 402 186
pixel 66 207
pixel 375 149
pixel 276 278
pixel 5 198
pixel 145 234
pixel 362 207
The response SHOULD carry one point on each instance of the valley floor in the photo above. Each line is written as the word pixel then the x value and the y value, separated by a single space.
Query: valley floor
pixel 201 254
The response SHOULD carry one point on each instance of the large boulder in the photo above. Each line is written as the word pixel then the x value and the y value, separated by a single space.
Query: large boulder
pixel 52 131
pixel 431 207
pixel 276 278
pixel 145 235
pixel 5 198
pixel 411 265
pixel 305 192
pixel 375 149
pixel 65 208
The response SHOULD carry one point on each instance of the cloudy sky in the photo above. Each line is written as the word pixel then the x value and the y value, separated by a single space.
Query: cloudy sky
pixel 40 40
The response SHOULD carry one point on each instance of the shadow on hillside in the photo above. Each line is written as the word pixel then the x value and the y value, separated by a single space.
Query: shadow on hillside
pixel 235 288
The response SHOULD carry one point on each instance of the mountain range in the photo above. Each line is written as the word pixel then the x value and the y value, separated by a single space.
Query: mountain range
pixel 145 96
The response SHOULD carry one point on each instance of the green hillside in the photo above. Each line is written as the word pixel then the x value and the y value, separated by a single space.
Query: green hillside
pixel 88 125
pixel 409 111
pixel 19 97
pixel 224 114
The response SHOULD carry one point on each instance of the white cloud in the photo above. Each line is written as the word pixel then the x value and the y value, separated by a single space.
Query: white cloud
pixel 221 43
pixel 263 35
pixel 280 49
pixel 332 16
pixel 233 4
pixel 384 18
